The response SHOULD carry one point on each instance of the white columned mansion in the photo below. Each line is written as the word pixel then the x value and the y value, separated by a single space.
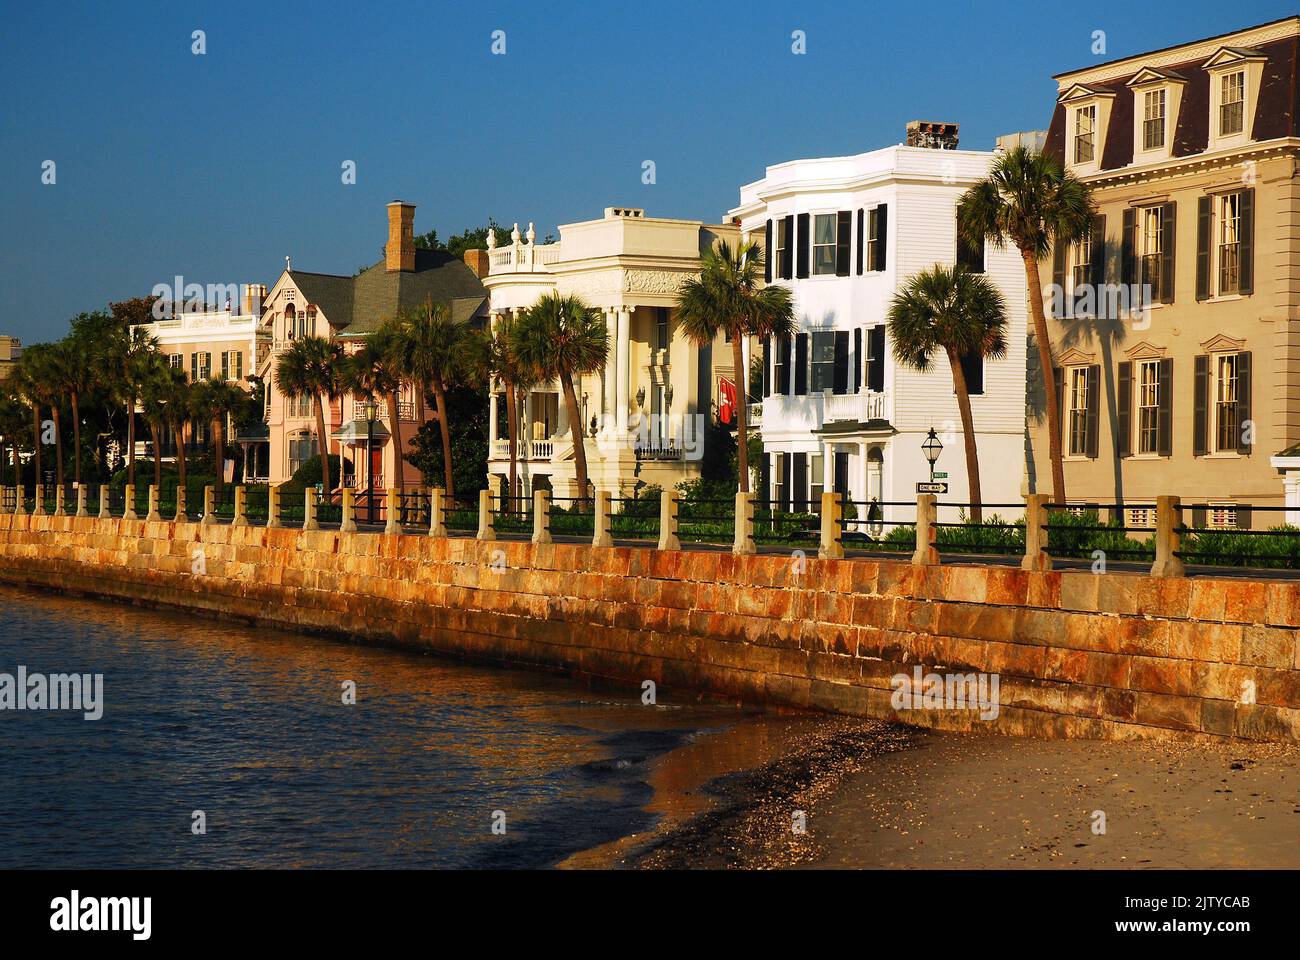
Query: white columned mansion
pixel 844 234
pixel 643 415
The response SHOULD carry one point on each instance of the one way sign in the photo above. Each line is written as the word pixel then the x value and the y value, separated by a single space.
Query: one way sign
pixel 932 488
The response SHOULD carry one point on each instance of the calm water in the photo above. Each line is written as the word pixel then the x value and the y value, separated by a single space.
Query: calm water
pixel 248 726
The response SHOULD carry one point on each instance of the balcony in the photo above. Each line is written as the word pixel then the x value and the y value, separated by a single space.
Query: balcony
pixel 523 258
pixel 860 407
pixel 541 450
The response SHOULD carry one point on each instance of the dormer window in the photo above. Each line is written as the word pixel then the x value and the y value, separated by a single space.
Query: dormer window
pixel 1153 119
pixel 1232 103
pixel 1085 134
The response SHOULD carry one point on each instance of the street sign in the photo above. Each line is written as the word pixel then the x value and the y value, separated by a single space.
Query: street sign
pixel 932 488
pixel 940 475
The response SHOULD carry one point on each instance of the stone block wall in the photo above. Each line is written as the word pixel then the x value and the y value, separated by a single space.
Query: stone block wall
pixel 1077 654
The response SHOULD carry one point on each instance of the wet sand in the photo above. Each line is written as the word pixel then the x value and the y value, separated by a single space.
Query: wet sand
pixel 877 795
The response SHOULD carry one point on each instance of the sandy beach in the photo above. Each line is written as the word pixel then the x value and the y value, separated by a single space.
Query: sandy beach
pixel 876 795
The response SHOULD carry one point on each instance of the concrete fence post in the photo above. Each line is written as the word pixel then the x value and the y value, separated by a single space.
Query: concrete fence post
pixel 1036 556
pixel 273 507
pixel 309 521
pixel 1169 538
pixel 58 501
pixel 744 542
pixel 831 546
pixel 209 505
pixel 392 511
pixel 668 504
pixel 182 508
pixel 437 512
pixel 81 501
pixel 104 498
pixel 240 518
pixel 486 528
pixel 20 508
pixel 153 515
pixel 128 510
pixel 349 524
pixel 601 536
pixel 39 509
pixel 926 516
pixel 541 516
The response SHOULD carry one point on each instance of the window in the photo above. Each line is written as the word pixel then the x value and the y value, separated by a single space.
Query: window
pixel 1232 104
pixel 823 361
pixel 874 239
pixel 1142 517
pixel 1222 516
pixel 1226 368
pixel 232 365
pixel 1150 240
pixel 779 492
pixel 823 244
pixel 816 480
pixel 1229 245
pixel 1148 419
pixel 301 449
pixel 1078 419
pixel 661 328
pixel 176 361
pixel 200 366
pixel 1153 119
pixel 972 370
pixel 1085 124
pixel 780 368
pixel 1080 266
pixel 782 255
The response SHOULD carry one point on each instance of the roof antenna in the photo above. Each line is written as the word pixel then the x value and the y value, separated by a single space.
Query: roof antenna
pixel 287 268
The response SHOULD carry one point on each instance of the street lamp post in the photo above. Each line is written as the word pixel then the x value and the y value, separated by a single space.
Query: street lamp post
pixel 931 447
pixel 371 411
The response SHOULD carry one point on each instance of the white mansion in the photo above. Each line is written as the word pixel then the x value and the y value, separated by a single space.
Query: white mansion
pixel 845 233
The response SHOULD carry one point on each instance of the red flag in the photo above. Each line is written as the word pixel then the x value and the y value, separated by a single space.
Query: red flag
pixel 726 400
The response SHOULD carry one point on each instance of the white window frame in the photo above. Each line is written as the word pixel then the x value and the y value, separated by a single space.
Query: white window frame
pixel 1141 517
pixel 1150 244
pixel 1076 411
pixel 1146 424
pixel 816 480
pixel 781 241
pixel 1236 81
pixel 1220 222
pixel 1221 515
pixel 1223 400
pixel 820 269
pixel 1078 134
pixel 1153 120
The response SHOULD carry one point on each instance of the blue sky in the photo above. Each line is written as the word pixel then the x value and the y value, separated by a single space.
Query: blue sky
pixel 215 167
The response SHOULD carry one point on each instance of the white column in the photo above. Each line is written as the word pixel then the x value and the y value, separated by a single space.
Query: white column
pixel 610 379
pixel 624 357
pixel 492 418
pixel 1291 483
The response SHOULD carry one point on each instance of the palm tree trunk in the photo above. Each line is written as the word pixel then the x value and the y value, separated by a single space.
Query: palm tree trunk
pixel 58 446
pixel 444 426
pixel 180 455
pixel 968 436
pixel 1046 371
pixel 398 474
pixel 36 440
pixel 512 431
pixel 218 454
pixel 575 427
pixel 742 414
pixel 76 438
pixel 130 443
pixel 154 433
pixel 324 444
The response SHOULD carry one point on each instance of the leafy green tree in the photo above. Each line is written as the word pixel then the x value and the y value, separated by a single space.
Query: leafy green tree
pixel 962 314
pixel 502 363
pixel 74 361
pixel 215 400
pixel 1028 199
pixel 372 373
pixel 311 368
pixel 729 296
pixel 468 416
pixel 28 380
pixel 561 338
pixel 468 239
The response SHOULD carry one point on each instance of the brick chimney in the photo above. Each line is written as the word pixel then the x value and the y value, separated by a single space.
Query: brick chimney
pixel 935 136
pixel 477 260
pixel 399 253
pixel 254 295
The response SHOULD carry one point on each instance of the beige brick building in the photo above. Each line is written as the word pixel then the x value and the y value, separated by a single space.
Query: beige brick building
pixel 1177 325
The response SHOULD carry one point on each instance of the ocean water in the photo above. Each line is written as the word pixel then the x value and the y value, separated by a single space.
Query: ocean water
pixel 248 725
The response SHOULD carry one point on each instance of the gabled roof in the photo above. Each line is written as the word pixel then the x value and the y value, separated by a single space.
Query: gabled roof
pixel 1155 75
pixel 1232 55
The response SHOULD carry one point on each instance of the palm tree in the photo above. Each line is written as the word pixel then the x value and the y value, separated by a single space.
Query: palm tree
pixel 729 296
pixel 215 400
pixel 516 378
pixel 311 368
pixel 372 372
pixel 14 426
pixel 1029 199
pixel 25 381
pixel 77 377
pixel 155 394
pixel 561 338
pixel 175 394
pixel 962 314
pixel 430 349
pixel 125 363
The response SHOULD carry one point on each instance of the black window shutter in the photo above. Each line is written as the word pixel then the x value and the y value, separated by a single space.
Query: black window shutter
pixel 1128 249
pixel 857 359
pixel 1198 518
pixel 840 376
pixel 1200 405
pixel 788 482
pixel 1203 223
pixel 876 367
pixel 787 354
pixel 1168 231
pixel 1243 402
pixel 843 241
pixel 768 253
pixel 1165 417
pixel 1246 255
pixel 799 497
pixel 1243 516
pixel 1124 410
pixel 1093 409
pixel 1058 379
pixel 801 265
pixel 801 364
pixel 882 237
pixel 972 370
pixel 787 255
pixel 1097 258
pixel 862 239
pixel 1058 277
pixel 767 366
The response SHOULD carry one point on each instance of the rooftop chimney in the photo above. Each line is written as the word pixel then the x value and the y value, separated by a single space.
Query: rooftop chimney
pixel 399 253
pixel 254 295
pixel 933 136
pixel 477 260
pixel 613 213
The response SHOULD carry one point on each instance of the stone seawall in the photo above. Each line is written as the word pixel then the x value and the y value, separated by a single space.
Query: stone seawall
pixel 1077 655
